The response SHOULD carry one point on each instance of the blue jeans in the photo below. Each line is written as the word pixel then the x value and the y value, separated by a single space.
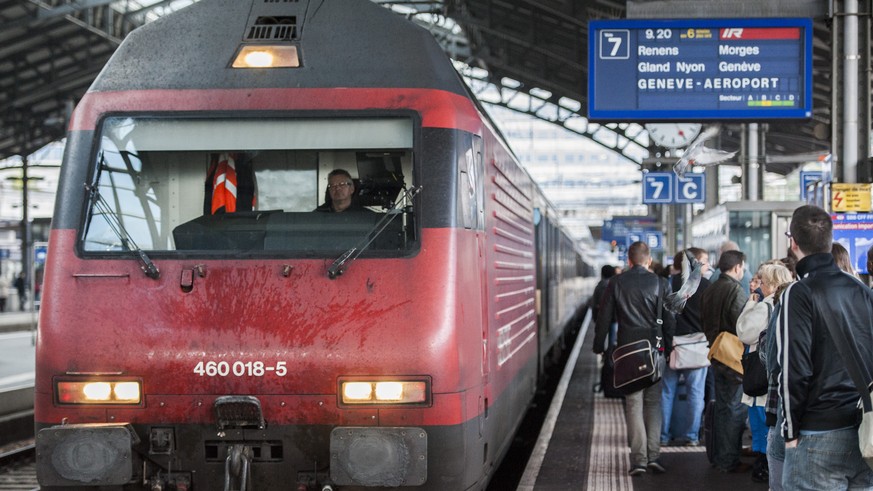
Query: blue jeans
pixel 775 456
pixel 695 383
pixel 776 450
pixel 758 428
pixel 830 460
pixel 729 418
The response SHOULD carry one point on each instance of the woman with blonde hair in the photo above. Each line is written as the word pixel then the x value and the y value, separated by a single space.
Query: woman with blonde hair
pixel 751 323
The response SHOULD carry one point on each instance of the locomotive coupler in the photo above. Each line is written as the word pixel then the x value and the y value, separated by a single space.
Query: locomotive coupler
pixel 238 467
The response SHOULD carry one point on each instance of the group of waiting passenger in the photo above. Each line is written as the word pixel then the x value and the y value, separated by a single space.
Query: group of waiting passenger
pixel 803 415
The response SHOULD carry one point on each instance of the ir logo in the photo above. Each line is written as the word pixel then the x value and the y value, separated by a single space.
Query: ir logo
pixel 732 32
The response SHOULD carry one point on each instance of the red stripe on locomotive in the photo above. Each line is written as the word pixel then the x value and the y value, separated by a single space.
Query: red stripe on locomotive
pixel 438 108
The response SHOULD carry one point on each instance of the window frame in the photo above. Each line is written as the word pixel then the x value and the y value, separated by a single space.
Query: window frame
pixel 413 247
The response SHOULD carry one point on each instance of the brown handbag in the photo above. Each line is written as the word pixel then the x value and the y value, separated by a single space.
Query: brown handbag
pixel 727 349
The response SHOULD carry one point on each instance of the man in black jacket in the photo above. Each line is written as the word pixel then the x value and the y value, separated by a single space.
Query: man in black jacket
pixel 818 395
pixel 721 306
pixel 631 299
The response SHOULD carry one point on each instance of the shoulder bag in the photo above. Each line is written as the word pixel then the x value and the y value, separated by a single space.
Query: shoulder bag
pixel 853 365
pixel 635 365
pixel 689 351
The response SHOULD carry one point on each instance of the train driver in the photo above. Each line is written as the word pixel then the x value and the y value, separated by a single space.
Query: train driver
pixel 340 194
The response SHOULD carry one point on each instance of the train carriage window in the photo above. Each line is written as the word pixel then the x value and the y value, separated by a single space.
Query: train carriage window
pixel 231 186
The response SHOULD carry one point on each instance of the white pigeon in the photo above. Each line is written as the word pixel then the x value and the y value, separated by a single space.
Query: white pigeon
pixel 699 154
pixel 691 274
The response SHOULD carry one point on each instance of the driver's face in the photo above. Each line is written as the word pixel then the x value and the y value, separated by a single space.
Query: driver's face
pixel 340 187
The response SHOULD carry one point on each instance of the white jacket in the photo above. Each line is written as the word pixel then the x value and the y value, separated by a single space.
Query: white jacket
pixel 752 321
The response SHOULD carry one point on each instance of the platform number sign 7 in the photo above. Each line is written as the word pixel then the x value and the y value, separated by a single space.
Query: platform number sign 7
pixel 614 44
pixel 658 187
pixel 658 191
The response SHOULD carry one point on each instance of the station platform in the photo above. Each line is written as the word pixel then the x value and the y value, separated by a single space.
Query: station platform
pixel 18 321
pixel 583 443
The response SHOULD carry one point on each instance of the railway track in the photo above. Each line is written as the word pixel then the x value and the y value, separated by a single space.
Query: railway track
pixel 17 449
pixel 18 467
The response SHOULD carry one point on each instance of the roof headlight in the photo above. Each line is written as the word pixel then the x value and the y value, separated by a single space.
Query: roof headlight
pixel 266 56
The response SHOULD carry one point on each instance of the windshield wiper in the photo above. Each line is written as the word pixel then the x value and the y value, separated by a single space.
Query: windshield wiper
pixel 339 266
pixel 127 242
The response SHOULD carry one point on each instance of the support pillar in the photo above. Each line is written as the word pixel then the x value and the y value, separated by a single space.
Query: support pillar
pixel 751 164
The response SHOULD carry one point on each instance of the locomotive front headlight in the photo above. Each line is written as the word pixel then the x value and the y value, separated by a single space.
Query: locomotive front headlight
pixel 266 56
pixel 390 391
pixel 127 391
pixel 98 392
pixel 362 392
pixel 357 392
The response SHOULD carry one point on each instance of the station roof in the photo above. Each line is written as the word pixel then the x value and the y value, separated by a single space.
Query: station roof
pixel 51 50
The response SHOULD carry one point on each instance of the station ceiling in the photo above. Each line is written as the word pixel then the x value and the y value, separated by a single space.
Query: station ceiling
pixel 51 50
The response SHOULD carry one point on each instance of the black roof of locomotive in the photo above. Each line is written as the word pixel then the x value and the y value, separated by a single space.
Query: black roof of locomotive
pixel 342 43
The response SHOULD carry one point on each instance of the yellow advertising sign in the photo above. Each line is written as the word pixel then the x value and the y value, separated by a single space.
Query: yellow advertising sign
pixel 850 197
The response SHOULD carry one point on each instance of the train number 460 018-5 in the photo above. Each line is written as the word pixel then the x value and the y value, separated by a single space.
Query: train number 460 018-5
pixel 239 369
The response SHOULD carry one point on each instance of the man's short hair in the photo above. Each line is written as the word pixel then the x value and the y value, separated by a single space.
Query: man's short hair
pixel 339 172
pixel 729 260
pixel 812 229
pixel 638 253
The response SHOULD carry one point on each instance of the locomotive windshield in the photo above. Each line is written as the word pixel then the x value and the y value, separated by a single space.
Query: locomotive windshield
pixel 305 187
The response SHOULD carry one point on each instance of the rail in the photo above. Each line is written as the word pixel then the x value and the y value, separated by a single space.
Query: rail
pixel 18 468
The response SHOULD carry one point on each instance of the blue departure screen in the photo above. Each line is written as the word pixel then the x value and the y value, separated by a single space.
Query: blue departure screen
pixel 700 69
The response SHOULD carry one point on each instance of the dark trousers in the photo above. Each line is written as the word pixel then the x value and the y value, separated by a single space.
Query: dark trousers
pixel 729 417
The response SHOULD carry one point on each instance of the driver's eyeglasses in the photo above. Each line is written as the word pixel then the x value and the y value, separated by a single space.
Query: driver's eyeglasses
pixel 338 185
pixel 788 234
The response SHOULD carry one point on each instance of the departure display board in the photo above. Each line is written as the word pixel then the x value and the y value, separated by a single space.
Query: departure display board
pixel 700 69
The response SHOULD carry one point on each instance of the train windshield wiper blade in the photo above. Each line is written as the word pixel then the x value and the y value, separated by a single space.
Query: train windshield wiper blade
pixel 127 242
pixel 339 266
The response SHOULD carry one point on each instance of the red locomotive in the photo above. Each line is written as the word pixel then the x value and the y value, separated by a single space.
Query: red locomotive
pixel 205 327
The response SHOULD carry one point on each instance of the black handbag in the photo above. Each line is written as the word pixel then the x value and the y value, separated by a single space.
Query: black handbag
pixel 636 365
pixel 754 375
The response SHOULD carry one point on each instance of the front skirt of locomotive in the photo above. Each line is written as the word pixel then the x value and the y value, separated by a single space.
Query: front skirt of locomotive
pixel 241 452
